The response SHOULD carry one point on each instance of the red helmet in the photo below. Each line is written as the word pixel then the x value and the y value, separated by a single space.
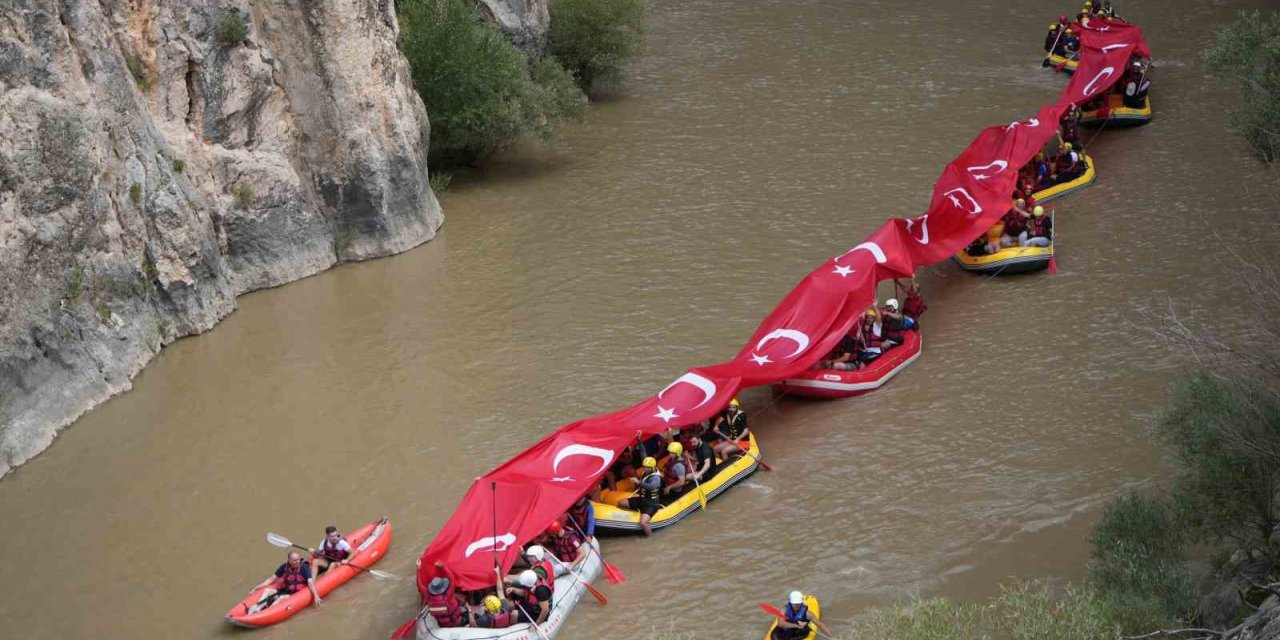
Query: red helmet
pixel 555 528
pixel 1062 18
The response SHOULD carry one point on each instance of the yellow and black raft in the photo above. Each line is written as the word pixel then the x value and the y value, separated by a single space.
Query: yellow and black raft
pixel 1071 186
pixel 1113 112
pixel 1062 63
pixel 612 518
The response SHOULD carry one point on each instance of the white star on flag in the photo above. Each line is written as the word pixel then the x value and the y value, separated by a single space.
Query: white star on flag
pixel 666 414
pixel 842 270
pixel 760 360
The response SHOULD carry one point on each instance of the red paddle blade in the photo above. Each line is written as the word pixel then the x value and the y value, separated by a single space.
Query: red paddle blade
pixel 613 574
pixel 1053 264
pixel 772 610
pixel 766 465
pixel 405 629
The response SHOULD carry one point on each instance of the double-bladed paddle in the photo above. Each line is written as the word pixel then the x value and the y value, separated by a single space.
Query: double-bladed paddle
pixel 283 542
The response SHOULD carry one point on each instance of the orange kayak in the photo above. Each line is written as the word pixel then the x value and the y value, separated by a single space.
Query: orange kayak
pixel 369 544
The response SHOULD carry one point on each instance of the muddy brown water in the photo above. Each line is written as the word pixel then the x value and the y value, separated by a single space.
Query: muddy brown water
pixel 752 141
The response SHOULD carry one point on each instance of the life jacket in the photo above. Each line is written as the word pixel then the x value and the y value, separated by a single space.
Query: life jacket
pixel 670 476
pixel 645 493
pixel 870 339
pixel 798 614
pixel 293 580
pixel 548 569
pixel 1014 223
pixel 892 327
pixel 446 610
pixel 1039 227
pixel 549 581
pixel 564 547
pixel 735 424
pixel 333 553
pixel 579 516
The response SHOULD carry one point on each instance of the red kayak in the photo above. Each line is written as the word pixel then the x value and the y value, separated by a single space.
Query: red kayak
pixel 369 544
pixel 832 383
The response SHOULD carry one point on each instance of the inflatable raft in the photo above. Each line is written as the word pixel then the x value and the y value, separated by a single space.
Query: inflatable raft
pixel 1060 190
pixel 814 608
pixel 1056 62
pixel 1007 261
pixel 1114 112
pixel 369 544
pixel 831 383
pixel 568 592
pixel 611 518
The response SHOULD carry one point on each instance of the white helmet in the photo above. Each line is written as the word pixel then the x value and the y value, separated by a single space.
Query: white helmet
pixel 796 598
pixel 892 303
pixel 528 578
pixel 536 552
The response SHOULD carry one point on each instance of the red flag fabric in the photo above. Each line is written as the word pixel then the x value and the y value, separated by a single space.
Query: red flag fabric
pixel 514 503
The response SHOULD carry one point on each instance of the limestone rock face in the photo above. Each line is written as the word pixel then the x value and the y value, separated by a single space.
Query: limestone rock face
pixel 524 21
pixel 157 159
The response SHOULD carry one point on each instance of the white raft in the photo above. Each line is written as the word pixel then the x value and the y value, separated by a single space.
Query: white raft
pixel 568 592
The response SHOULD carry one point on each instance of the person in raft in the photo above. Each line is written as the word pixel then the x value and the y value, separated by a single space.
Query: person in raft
pixel 567 547
pixel 582 518
pixel 442 601
pixel 292 576
pixel 893 323
pixel 1039 229
pixel 797 620
pixel 648 497
pixel 496 614
pixel 870 342
pixel 334 549
pixel 679 471
pixel 913 307
pixel 729 428
pixel 531 594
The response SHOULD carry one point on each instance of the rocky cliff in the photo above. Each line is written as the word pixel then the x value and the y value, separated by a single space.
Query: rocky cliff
pixel 157 159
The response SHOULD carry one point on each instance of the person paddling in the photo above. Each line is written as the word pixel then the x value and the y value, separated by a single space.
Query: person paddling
pixel 292 576
pixel 334 549
pixel 797 619
pixel 729 428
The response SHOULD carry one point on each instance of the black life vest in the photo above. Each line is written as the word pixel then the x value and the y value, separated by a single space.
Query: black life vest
pixel 735 424
pixel 651 494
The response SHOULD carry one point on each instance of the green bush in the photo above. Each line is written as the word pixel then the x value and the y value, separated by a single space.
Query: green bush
pixel 1225 438
pixel 1137 569
pixel 595 38
pixel 1248 52
pixel 233 29
pixel 439 181
pixel 135 194
pixel 479 90
pixel 244 197
pixel 1024 611
pixel 179 166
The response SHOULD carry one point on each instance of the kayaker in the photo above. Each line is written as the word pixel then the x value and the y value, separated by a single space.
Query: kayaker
pixel 333 549
pixel 1040 229
pixel 532 595
pixel 730 428
pixel 568 548
pixel 582 517
pixel 290 577
pixel 798 619
pixel 496 614
pixel 442 601
pixel 648 497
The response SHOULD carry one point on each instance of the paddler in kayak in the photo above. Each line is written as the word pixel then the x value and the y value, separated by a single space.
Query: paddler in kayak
pixel 648 497
pixel 292 576
pixel 334 549
pixel 797 620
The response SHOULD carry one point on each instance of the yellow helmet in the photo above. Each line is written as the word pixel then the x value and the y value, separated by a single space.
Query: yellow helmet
pixel 1053 27
pixel 675 448
pixel 871 313
pixel 1068 30
pixel 1066 145
pixel 649 463
pixel 1038 211
pixel 733 402
pixel 492 604
pixel 1022 202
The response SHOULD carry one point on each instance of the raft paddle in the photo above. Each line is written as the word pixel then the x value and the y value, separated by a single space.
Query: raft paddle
pixel 612 573
pixel 766 465
pixel 530 618
pixel 281 541
pixel 772 610
pixel 702 495
pixel 1050 54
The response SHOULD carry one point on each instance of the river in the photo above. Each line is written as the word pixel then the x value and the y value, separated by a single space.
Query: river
pixel 753 140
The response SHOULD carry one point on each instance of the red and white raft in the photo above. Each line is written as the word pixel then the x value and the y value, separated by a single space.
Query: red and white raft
pixel 831 383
